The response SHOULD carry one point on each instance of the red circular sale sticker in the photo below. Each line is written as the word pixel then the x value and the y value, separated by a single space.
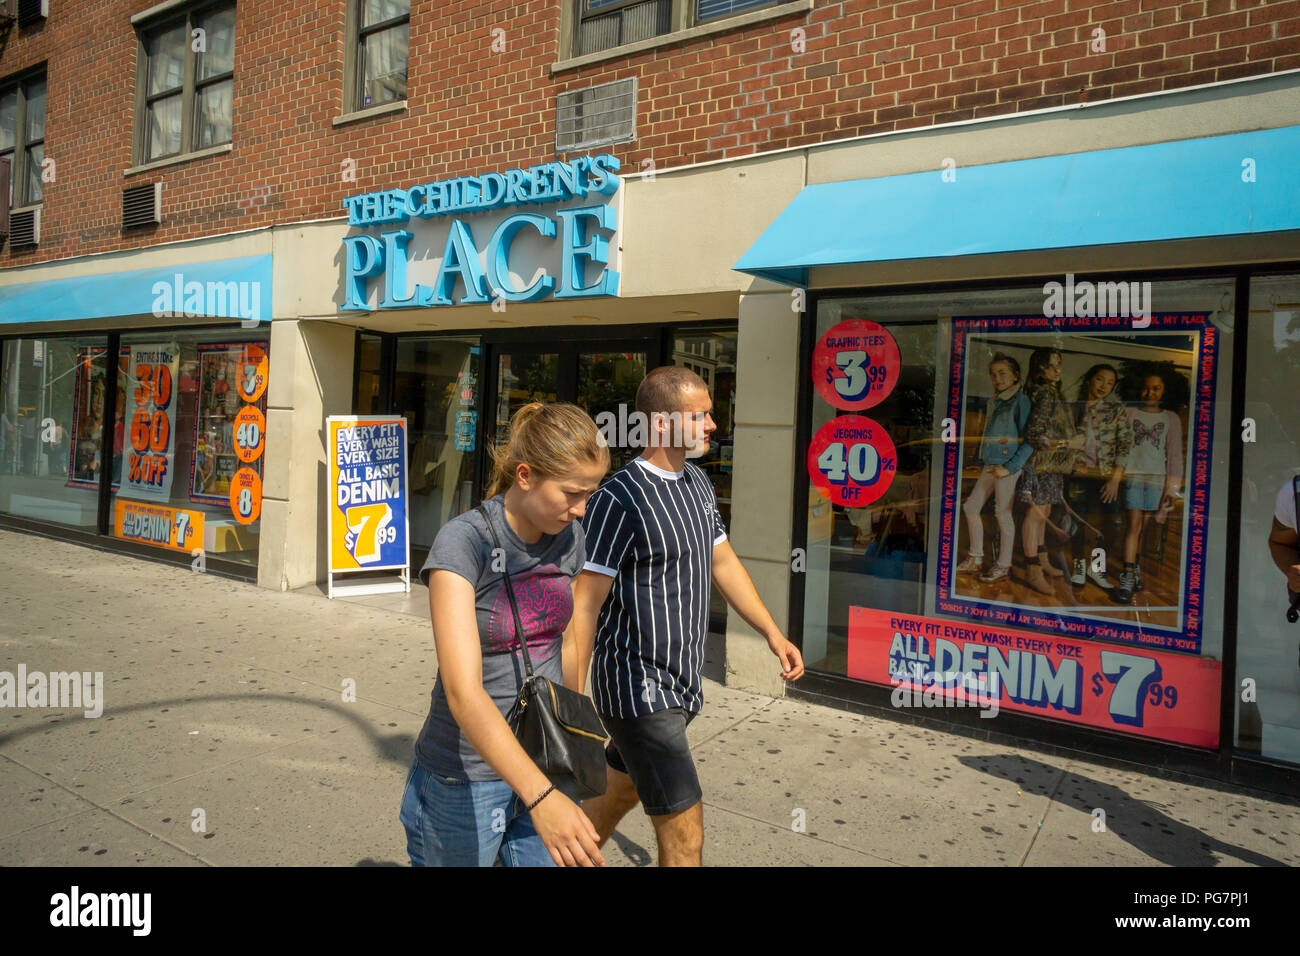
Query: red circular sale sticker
pixel 245 495
pixel 855 365
pixel 851 461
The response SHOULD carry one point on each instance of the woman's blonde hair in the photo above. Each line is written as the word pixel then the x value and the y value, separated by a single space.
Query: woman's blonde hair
pixel 552 439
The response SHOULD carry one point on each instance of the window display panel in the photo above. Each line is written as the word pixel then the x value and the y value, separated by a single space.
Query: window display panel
pixel 1268 640
pixel 370 375
pixel 193 417
pixel 51 428
pixel 437 390
pixel 1011 500
pixel 712 356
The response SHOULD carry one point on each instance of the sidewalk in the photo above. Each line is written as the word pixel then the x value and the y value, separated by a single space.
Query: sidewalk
pixel 227 699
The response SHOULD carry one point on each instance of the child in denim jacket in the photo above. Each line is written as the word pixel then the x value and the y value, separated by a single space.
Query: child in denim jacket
pixel 1003 454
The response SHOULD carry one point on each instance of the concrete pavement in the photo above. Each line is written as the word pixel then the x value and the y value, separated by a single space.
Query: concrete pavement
pixel 225 703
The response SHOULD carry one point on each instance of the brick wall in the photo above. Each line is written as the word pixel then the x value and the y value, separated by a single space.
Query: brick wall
pixel 858 67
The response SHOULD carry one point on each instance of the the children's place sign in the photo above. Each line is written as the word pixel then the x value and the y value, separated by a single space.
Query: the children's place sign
pixel 486 273
pixel 367 512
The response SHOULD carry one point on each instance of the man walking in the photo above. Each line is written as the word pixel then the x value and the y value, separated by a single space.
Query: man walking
pixel 654 542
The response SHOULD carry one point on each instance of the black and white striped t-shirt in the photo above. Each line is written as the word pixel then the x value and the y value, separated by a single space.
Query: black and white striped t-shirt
pixel 653 531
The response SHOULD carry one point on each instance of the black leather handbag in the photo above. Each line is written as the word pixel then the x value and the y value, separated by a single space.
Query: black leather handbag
pixel 557 727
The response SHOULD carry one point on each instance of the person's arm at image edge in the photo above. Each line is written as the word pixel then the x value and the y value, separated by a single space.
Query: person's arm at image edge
pixel 733 581
pixel 590 589
pixel 460 662
pixel 1284 546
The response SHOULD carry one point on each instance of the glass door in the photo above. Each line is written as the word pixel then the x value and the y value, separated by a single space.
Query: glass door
pixel 522 375
pixel 607 380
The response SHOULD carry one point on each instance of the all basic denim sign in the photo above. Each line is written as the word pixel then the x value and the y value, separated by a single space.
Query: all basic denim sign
pixel 484 273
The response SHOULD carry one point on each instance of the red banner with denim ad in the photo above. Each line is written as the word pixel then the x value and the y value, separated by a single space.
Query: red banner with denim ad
pixel 1138 691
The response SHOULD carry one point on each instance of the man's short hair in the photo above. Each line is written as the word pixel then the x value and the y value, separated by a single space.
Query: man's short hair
pixel 664 388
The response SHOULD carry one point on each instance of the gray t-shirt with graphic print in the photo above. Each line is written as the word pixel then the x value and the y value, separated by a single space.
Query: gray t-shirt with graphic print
pixel 542 575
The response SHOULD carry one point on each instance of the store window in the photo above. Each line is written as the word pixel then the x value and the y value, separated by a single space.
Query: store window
pixel 1268 643
pixel 186 82
pixel 967 515
pixel 437 389
pixel 192 420
pixel 52 437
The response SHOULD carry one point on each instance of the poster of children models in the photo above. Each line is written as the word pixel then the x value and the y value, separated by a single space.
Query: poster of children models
pixel 1077 475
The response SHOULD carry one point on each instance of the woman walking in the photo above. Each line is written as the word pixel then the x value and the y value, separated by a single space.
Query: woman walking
pixel 473 794
pixel 1051 433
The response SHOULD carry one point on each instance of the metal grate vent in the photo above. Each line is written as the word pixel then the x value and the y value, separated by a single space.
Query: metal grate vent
pixel 596 116
pixel 141 205
pixel 30 11
pixel 24 228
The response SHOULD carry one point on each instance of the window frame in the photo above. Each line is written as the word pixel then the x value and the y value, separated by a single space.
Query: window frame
pixel 682 19
pixel 190 84
pixel 354 58
pixel 19 152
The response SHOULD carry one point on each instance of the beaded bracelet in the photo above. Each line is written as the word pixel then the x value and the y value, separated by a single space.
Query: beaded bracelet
pixel 540 798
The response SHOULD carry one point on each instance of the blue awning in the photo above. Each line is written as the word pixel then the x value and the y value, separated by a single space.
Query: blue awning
pixel 1240 184
pixel 192 289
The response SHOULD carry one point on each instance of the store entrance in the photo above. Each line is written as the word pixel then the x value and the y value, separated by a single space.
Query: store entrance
pixel 598 375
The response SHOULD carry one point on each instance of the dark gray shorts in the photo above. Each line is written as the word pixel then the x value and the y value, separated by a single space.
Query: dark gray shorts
pixel 653 751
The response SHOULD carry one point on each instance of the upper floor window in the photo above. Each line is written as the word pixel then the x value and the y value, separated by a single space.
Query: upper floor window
pixel 378 52
pixel 186 82
pixel 605 24
pixel 22 137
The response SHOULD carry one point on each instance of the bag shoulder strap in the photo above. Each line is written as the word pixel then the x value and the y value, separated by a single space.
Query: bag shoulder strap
pixel 510 593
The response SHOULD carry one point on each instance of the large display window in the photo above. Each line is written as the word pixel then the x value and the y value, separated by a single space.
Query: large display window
pixel 192 421
pixel 52 429
pixel 1020 500
pixel 1268 558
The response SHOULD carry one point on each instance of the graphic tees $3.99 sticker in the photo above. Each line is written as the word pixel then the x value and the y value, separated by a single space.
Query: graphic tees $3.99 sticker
pixel 855 365
pixel 851 461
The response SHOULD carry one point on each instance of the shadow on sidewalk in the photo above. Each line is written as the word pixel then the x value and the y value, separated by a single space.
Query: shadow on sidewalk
pixel 396 747
pixel 1133 820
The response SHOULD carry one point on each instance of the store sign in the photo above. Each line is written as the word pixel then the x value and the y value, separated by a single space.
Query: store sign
pixel 367 486
pixel 851 461
pixel 176 528
pixel 568 239
pixel 855 365
pixel 147 464
pixel 1138 691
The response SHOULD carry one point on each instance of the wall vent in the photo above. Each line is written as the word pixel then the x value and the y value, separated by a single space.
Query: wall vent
pixel 142 205
pixel 30 11
pixel 596 116
pixel 24 228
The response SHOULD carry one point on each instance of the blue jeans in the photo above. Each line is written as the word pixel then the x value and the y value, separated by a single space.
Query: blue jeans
pixel 451 822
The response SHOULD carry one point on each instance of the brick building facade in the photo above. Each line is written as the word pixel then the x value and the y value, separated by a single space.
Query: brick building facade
pixel 787 171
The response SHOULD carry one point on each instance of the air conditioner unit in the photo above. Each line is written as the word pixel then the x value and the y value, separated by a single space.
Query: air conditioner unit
pixel 30 11
pixel 142 205
pixel 24 228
